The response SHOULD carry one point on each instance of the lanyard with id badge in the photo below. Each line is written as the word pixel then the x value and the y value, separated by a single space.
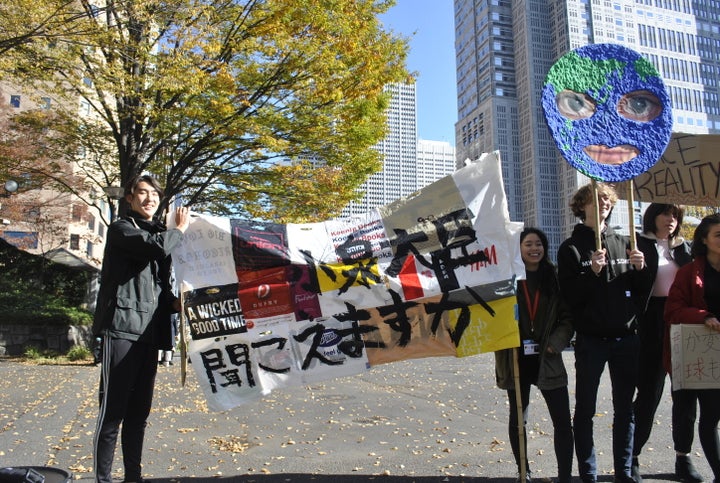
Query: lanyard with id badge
pixel 530 346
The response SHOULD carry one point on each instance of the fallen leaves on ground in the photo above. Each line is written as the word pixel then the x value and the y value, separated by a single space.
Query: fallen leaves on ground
pixel 233 444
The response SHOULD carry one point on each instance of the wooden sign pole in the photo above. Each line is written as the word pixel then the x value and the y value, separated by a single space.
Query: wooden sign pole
pixel 520 416
pixel 631 212
pixel 183 341
pixel 596 214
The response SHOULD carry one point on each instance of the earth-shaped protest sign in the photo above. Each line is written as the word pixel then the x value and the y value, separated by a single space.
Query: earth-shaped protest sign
pixel 608 111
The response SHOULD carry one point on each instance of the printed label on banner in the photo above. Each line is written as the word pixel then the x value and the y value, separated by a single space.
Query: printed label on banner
pixel 359 237
pixel 258 245
pixel 406 330
pixel 226 372
pixel 304 293
pixel 488 321
pixel 436 234
pixel 214 311
pixel 329 348
pixel 277 366
pixel 264 293
pixel 204 257
pixel 430 219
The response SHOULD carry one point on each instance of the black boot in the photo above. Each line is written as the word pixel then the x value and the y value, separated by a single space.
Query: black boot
pixel 685 471
pixel 624 479
pixel 635 470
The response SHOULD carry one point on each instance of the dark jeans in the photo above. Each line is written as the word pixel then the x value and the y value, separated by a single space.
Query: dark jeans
pixel 709 400
pixel 684 414
pixel 127 380
pixel 558 404
pixel 651 373
pixel 651 384
pixel 591 355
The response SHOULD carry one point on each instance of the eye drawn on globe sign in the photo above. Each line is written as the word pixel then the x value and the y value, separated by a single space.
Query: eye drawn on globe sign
pixel 608 111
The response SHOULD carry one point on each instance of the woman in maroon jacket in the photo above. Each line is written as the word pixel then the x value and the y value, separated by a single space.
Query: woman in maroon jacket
pixel 694 298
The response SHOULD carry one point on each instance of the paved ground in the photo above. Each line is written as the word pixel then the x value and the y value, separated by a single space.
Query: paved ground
pixel 427 420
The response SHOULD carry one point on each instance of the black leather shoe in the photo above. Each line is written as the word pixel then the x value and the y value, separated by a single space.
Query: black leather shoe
pixel 624 479
pixel 685 471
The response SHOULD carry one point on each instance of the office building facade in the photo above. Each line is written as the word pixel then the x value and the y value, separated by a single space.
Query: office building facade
pixel 42 220
pixel 435 160
pixel 407 163
pixel 504 50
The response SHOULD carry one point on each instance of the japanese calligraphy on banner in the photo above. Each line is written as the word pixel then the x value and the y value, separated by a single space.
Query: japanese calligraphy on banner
pixel 271 305
pixel 695 356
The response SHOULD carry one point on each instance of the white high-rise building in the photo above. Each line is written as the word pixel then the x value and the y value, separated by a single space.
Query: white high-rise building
pixel 435 160
pixel 408 163
pixel 398 151
pixel 504 50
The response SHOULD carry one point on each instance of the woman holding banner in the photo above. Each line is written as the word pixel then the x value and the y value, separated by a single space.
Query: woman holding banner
pixel 545 330
pixel 694 298
pixel 602 286
pixel 665 252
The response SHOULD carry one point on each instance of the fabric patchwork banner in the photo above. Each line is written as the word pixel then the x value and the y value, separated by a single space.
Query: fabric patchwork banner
pixel 271 306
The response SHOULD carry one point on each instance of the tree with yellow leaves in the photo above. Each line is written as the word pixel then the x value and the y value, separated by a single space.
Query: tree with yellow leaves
pixel 23 22
pixel 267 107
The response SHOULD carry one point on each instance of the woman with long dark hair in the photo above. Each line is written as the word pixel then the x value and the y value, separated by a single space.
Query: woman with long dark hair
pixel 694 298
pixel 545 330
pixel 665 252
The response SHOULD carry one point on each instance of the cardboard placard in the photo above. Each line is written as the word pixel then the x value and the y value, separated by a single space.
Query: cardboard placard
pixel 695 355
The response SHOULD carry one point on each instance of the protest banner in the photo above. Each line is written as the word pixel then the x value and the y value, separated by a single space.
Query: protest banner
pixel 688 173
pixel 695 355
pixel 273 305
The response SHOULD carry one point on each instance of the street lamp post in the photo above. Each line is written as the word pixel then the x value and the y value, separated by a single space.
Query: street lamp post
pixel 11 186
pixel 115 193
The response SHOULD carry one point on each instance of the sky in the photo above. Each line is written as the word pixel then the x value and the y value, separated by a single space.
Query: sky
pixel 430 26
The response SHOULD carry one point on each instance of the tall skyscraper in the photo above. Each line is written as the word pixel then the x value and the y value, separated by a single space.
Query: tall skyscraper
pixel 398 151
pixel 407 163
pixel 435 160
pixel 504 50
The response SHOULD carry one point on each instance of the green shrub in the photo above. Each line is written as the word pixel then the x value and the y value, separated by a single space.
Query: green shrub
pixel 36 291
pixel 28 307
pixel 46 356
pixel 32 352
pixel 78 353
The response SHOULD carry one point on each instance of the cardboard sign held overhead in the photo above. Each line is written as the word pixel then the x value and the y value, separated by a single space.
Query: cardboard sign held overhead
pixel 608 111
pixel 688 173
